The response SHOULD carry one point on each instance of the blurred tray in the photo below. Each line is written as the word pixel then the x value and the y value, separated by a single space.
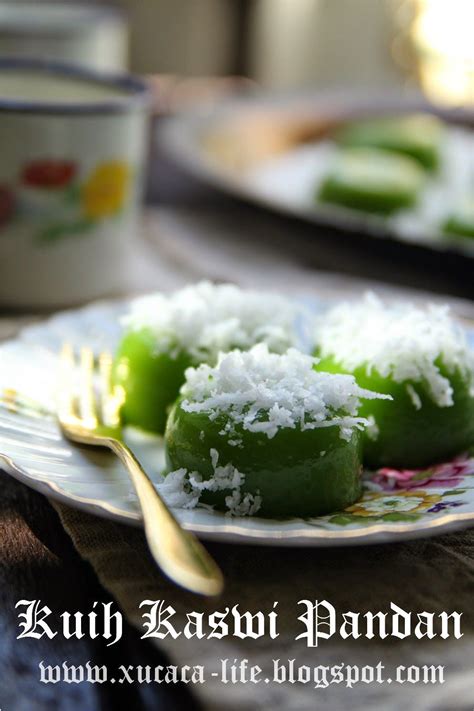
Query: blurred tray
pixel 262 149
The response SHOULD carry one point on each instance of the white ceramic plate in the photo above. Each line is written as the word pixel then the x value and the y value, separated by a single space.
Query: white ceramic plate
pixel 33 450
pixel 271 150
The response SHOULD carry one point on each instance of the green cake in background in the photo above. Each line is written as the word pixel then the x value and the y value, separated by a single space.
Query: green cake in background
pixel 372 180
pixel 461 221
pixel 418 136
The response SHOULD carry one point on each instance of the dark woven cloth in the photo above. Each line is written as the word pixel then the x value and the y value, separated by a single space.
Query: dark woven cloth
pixel 432 575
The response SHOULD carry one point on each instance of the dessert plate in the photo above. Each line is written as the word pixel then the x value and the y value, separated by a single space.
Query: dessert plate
pixel 272 151
pixel 396 505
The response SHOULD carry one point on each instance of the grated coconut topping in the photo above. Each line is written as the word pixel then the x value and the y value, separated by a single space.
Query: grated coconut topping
pixel 263 392
pixel 205 319
pixel 400 341
pixel 183 489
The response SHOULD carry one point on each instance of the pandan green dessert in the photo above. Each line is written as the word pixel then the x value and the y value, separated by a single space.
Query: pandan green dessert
pixel 461 221
pixel 372 180
pixel 164 335
pixel 420 357
pixel 418 136
pixel 266 433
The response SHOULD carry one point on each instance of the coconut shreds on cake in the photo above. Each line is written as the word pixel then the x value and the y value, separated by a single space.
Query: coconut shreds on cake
pixel 183 489
pixel 206 319
pixel 398 340
pixel 263 392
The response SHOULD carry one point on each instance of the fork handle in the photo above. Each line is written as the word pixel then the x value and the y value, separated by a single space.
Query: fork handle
pixel 178 552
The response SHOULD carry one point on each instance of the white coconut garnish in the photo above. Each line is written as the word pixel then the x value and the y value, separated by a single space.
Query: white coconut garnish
pixel 206 319
pixel 263 392
pixel 399 341
pixel 183 489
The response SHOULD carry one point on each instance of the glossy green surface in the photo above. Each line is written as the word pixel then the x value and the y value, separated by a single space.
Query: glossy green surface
pixel 297 473
pixel 409 437
pixel 461 222
pixel 150 380
pixel 418 136
pixel 372 180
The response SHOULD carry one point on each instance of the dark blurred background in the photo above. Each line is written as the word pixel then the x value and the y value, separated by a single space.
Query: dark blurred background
pixel 320 43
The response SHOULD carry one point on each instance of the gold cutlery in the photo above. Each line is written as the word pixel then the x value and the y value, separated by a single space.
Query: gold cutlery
pixel 90 416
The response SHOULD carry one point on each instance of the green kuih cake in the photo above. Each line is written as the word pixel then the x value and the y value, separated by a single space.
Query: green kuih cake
pixel 418 356
pixel 266 433
pixel 372 180
pixel 461 221
pixel 418 136
pixel 166 334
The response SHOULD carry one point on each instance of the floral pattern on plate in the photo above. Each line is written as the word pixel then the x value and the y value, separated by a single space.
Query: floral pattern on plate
pixel 396 505
pixel 408 494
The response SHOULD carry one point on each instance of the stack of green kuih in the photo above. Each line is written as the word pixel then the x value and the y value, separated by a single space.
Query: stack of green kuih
pixel 256 420
pixel 382 165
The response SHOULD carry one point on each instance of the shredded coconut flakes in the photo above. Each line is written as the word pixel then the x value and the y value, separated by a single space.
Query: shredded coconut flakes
pixel 414 397
pixel 400 341
pixel 206 318
pixel 263 392
pixel 183 489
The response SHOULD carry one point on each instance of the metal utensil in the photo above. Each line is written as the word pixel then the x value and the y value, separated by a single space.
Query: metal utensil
pixel 92 418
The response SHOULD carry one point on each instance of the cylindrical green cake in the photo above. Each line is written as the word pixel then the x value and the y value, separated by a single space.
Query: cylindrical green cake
pixel 460 223
pixel 150 379
pixel 166 334
pixel 265 433
pixel 372 180
pixel 418 356
pixel 418 136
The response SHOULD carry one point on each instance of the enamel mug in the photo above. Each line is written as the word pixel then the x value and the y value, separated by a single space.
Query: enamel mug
pixel 73 145
pixel 94 36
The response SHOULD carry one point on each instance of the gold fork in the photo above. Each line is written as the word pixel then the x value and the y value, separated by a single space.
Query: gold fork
pixel 94 420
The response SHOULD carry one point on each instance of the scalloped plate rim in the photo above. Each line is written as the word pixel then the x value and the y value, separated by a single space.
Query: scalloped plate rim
pixel 232 533
pixel 227 529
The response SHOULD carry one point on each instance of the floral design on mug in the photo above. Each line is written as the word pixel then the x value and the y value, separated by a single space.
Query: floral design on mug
pixel 53 197
pixel 7 204
pixel 48 174
pixel 105 191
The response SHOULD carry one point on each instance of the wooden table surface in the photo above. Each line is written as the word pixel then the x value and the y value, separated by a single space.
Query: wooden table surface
pixel 37 559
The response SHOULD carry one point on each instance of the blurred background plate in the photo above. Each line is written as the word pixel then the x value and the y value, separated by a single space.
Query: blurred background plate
pixel 271 151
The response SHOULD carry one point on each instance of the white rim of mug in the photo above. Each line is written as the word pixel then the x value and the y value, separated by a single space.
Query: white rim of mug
pixel 137 94
pixel 77 18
